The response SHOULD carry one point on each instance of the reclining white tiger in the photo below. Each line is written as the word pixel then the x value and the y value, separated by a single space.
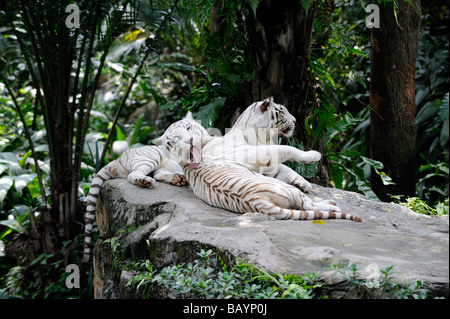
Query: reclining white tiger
pixel 231 185
pixel 140 164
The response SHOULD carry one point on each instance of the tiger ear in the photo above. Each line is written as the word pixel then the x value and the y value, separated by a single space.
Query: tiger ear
pixel 189 115
pixel 157 141
pixel 265 104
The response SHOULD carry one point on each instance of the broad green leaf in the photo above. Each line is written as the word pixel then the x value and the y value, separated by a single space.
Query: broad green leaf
pixel 420 96
pixel 20 182
pixel 443 113
pixel 427 111
pixel 11 160
pixel 208 113
pixel 120 135
pixel 306 4
pixel 5 184
pixel 13 224
pixel 360 81
pixel 385 179
pixel 375 164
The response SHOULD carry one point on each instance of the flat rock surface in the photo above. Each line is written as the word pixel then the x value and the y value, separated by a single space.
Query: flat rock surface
pixel 416 245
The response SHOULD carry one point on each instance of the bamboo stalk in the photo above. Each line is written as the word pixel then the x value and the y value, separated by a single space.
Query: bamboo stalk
pixel 45 80
pixel 75 173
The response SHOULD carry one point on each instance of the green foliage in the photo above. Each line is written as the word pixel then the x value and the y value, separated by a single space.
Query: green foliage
pixel 348 169
pixel 161 55
pixel 19 186
pixel 45 278
pixel 432 107
pixel 419 206
pixel 382 285
pixel 220 69
pixel 205 279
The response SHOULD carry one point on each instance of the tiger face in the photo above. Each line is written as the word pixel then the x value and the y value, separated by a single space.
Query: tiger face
pixel 267 114
pixel 182 141
pixel 284 121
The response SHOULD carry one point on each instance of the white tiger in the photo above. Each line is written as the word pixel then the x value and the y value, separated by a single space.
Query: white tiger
pixel 231 185
pixel 140 164
pixel 260 124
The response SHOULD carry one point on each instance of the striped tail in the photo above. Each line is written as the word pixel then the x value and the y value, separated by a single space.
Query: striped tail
pixel 283 213
pixel 106 173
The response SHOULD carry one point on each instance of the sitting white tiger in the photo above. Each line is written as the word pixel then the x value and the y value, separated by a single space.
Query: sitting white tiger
pixel 260 124
pixel 231 185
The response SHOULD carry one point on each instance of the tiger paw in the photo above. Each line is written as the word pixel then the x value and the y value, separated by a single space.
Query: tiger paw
pixel 312 157
pixel 301 183
pixel 303 186
pixel 179 180
pixel 305 157
pixel 146 182
pixel 329 202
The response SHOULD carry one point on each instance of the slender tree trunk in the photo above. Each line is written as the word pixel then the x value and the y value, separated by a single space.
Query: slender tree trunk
pixel 392 95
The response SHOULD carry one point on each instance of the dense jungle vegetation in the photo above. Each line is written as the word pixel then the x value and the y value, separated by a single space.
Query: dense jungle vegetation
pixel 75 93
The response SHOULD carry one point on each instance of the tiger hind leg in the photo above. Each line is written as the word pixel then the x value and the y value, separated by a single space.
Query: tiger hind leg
pixel 305 203
pixel 288 175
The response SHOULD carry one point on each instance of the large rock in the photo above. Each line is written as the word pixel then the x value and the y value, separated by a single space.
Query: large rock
pixel 176 224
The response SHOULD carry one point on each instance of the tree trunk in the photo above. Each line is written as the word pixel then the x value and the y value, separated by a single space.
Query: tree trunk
pixel 280 40
pixel 392 97
pixel 280 36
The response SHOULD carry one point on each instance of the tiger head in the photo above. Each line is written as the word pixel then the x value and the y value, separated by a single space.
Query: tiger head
pixel 272 118
pixel 267 114
pixel 182 141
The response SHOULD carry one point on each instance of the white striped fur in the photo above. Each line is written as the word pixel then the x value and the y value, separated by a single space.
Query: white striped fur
pixel 259 124
pixel 268 114
pixel 246 130
pixel 238 189
pixel 230 181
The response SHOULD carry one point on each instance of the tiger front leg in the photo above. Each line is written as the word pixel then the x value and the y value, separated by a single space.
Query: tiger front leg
pixel 276 154
pixel 141 179
pixel 172 173
pixel 303 157
pixel 175 179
